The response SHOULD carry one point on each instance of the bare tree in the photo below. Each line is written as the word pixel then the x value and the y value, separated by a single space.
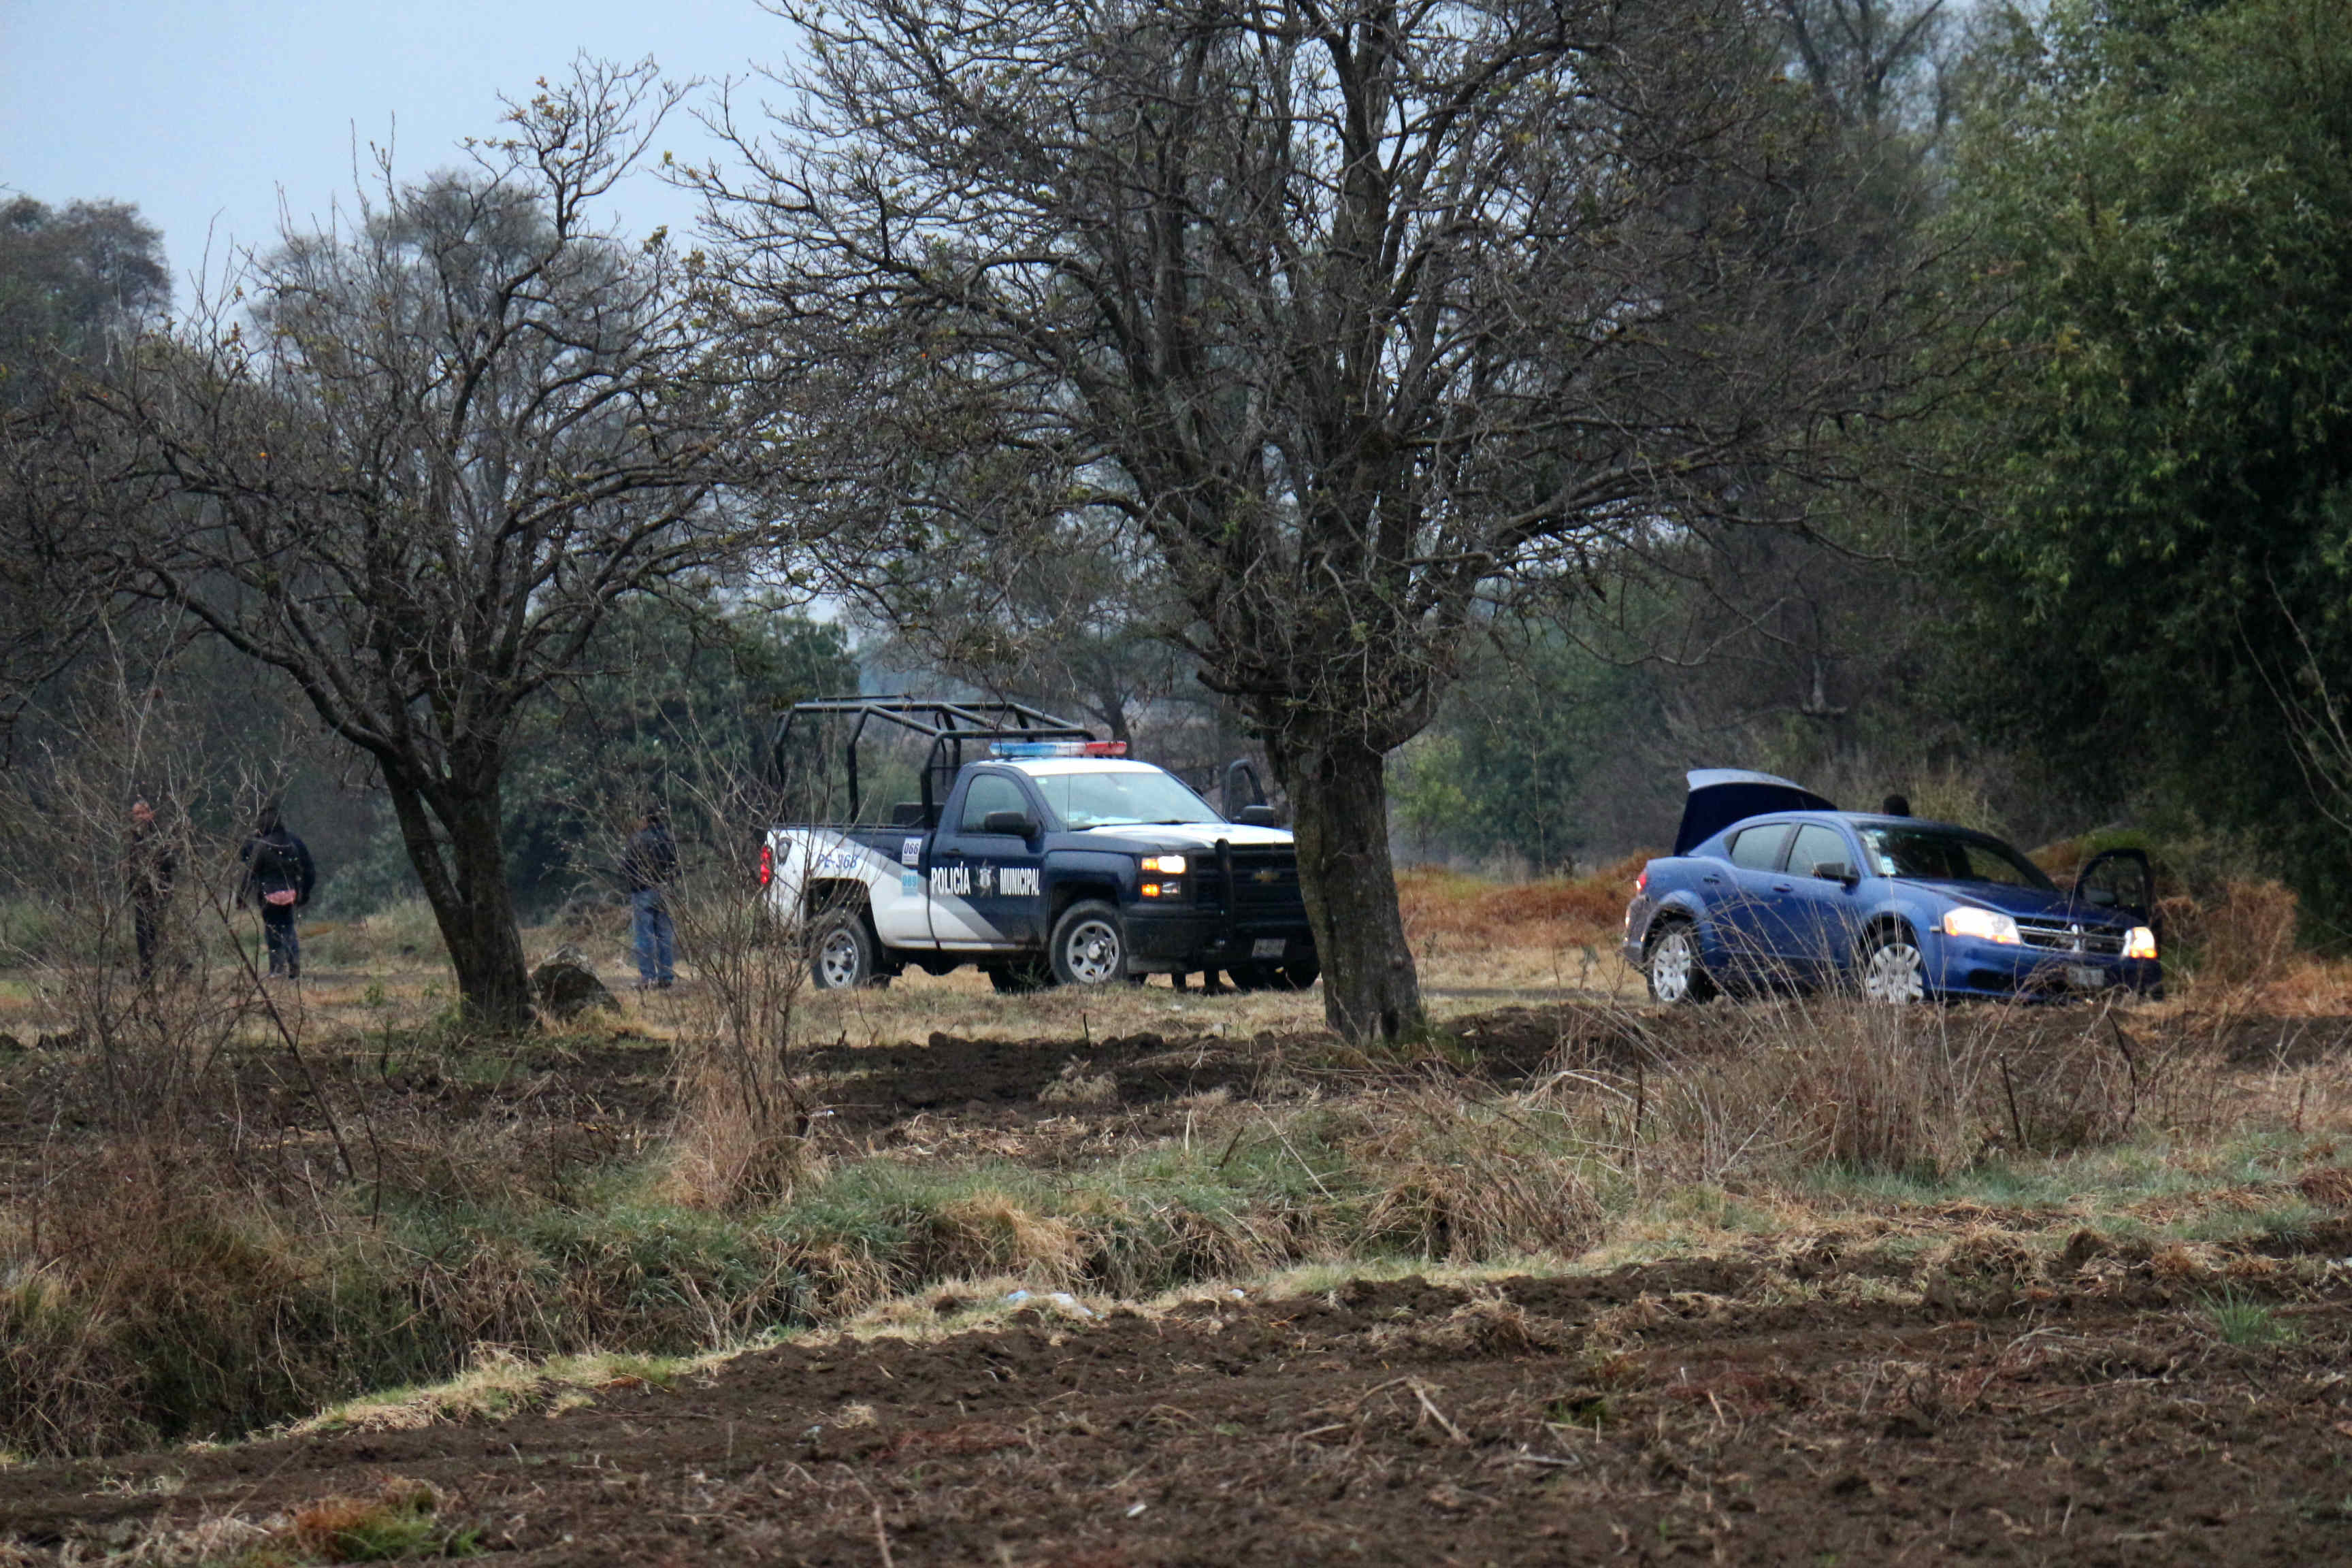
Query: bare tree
pixel 76 288
pixel 1070 615
pixel 416 470
pixel 1871 62
pixel 1360 316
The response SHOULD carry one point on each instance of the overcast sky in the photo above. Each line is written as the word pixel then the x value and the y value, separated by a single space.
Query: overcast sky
pixel 203 112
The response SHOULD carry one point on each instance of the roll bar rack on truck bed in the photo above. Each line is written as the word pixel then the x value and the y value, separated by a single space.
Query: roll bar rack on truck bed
pixel 948 725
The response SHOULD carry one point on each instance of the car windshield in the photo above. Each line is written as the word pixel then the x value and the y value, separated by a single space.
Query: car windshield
pixel 1114 799
pixel 1943 855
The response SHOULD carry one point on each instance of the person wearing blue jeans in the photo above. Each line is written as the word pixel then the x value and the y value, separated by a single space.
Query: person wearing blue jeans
pixel 649 865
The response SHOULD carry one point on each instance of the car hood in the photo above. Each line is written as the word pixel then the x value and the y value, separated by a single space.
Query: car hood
pixel 1721 797
pixel 1186 837
pixel 2032 902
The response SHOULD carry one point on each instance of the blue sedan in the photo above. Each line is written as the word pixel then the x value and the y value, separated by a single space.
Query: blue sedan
pixel 1771 886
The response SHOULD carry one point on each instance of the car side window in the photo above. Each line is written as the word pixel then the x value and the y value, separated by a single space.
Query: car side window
pixel 1818 845
pixel 1758 849
pixel 987 792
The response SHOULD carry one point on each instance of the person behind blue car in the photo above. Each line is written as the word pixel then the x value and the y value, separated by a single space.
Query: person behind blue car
pixel 648 866
pixel 279 876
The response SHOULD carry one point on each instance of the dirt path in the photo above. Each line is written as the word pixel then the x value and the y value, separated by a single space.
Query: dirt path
pixel 1680 1412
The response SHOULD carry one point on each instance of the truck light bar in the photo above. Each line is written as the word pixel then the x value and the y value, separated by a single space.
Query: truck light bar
pixel 1058 749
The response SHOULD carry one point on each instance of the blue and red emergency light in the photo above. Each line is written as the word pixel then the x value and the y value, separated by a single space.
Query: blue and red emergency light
pixel 1058 748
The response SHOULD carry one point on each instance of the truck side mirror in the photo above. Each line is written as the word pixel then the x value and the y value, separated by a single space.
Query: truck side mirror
pixel 1259 816
pixel 1014 824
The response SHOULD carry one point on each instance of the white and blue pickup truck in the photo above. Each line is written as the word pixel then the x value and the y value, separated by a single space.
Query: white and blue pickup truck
pixel 1045 856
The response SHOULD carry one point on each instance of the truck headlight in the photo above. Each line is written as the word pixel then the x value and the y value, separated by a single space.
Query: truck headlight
pixel 1163 890
pixel 2139 943
pixel 1166 865
pixel 1985 925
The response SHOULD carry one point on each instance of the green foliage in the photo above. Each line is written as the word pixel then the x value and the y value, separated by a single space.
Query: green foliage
pixel 72 284
pixel 2241 1321
pixel 678 698
pixel 2161 197
pixel 1529 745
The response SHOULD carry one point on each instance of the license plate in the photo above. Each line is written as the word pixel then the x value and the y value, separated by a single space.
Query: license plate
pixel 1267 947
pixel 2083 977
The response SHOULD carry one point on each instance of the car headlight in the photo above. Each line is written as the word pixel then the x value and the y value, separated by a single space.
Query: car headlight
pixel 1166 865
pixel 1985 925
pixel 2139 943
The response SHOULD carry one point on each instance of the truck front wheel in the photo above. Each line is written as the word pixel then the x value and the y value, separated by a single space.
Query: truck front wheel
pixel 1089 945
pixel 841 953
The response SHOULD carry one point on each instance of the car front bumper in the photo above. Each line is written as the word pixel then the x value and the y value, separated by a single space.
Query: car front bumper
pixel 1963 967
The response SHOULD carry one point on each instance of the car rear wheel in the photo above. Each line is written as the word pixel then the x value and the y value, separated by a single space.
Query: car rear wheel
pixel 1677 973
pixel 1089 945
pixel 1894 971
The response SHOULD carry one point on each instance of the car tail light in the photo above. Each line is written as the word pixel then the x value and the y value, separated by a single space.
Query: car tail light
pixel 1642 881
pixel 767 863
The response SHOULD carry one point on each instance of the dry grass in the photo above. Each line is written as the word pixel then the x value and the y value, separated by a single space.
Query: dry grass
pixel 501 1383
pixel 174 1290
pixel 1470 1178
pixel 1446 911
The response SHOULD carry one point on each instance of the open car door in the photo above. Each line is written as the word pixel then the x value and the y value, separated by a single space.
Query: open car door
pixel 2121 880
pixel 1721 797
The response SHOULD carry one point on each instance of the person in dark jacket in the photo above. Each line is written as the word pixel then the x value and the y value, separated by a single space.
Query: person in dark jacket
pixel 152 869
pixel 648 866
pixel 279 876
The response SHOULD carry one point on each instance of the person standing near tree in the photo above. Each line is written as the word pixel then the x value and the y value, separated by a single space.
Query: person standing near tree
pixel 649 865
pixel 279 876
pixel 151 870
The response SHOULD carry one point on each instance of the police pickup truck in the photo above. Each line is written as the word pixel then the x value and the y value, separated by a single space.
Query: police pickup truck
pixel 1039 853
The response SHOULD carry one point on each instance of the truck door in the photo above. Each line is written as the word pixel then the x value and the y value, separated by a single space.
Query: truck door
pixel 986 880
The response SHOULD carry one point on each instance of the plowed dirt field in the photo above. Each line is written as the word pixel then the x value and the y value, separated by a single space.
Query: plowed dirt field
pixel 1672 1412
pixel 1902 1390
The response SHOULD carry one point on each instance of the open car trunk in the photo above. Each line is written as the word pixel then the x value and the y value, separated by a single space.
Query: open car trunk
pixel 1721 797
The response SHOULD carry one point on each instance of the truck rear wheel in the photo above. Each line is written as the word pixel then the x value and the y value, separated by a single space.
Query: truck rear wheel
pixel 1089 945
pixel 841 953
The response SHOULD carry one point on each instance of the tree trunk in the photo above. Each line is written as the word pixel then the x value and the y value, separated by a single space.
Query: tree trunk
pixel 1339 791
pixel 465 883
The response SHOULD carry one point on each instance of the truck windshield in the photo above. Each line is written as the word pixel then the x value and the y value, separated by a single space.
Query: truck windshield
pixel 1112 799
pixel 1932 854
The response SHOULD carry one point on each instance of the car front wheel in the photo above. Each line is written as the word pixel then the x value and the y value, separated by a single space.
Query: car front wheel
pixel 1894 971
pixel 1675 971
